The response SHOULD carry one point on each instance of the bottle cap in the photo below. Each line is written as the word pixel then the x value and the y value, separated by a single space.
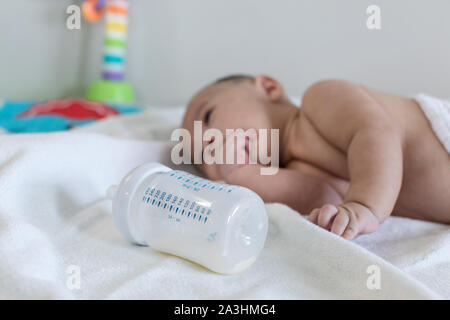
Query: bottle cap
pixel 122 196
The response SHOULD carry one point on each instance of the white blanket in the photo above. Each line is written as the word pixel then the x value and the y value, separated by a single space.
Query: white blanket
pixel 437 112
pixel 55 225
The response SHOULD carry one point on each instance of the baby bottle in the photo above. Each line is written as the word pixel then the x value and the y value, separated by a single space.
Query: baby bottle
pixel 219 226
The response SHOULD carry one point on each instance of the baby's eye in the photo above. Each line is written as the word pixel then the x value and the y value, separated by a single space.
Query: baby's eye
pixel 207 116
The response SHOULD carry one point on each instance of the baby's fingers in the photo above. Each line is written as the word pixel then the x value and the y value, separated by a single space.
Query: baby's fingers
pixel 340 223
pixel 312 217
pixel 352 230
pixel 326 214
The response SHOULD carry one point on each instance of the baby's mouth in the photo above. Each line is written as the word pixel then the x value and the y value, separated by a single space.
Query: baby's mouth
pixel 247 145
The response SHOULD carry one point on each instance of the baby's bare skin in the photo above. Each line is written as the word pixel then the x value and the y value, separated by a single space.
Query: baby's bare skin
pixel 350 155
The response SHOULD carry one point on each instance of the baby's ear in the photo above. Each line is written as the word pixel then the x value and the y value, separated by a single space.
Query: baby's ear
pixel 270 87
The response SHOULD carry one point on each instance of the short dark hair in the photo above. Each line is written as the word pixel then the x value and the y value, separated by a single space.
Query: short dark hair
pixel 235 78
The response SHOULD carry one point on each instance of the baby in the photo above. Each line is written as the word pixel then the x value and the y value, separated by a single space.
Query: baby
pixel 349 156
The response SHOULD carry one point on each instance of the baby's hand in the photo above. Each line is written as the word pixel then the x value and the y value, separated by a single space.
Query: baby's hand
pixel 347 220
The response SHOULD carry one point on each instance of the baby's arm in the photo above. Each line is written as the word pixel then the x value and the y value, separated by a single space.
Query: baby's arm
pixel 349 118
pixel 301 192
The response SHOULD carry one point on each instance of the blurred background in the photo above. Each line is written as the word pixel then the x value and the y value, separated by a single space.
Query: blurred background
pixel 177 46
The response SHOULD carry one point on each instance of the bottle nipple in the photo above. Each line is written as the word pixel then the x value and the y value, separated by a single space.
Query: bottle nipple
pixel 111 192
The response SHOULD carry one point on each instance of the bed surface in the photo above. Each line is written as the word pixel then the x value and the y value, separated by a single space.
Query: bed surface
pixel 55 221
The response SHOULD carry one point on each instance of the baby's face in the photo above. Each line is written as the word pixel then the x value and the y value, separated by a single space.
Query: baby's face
pixel 226 106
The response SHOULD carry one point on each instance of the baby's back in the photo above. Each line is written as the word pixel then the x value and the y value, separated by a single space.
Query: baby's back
pixel 425 192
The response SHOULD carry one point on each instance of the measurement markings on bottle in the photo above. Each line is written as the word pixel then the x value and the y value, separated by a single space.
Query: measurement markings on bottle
pixel 176 206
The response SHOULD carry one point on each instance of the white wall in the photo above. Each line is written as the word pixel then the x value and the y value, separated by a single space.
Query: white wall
pixel 176 46
pixel 39 57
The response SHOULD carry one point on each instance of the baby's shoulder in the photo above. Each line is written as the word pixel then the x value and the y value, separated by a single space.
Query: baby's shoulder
pixel 330 92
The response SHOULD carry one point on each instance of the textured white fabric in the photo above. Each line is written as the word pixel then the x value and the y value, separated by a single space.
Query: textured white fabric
pixel 438 113
pixel 53 215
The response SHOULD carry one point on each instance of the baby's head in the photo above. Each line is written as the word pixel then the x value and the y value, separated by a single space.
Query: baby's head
pixel 235 102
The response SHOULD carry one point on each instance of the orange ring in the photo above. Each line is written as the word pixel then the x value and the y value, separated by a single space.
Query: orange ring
pixel 116 9
pixel 90 13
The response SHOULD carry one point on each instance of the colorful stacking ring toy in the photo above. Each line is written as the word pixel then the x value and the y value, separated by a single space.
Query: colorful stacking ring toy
pixel 112 87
